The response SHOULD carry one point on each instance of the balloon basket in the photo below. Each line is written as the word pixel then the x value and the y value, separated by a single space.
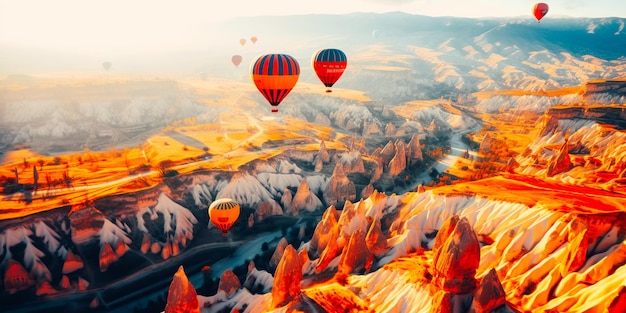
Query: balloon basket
pixel 328 90
pixel 224 234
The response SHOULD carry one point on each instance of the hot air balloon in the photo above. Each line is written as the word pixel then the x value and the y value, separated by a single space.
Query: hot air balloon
pixel 106 65
pixel 329 65
pixel 242 41
pixel 253 39
pixel 236 59
pixel 275 75
pixel 224 213
pixel 540 10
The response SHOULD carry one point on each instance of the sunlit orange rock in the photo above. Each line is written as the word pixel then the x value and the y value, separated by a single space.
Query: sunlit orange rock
pixel 83 284
pixel 16 277
pixel 145 243
pixel 45 288
pixel 441 302
pixel 229 283
pixel 181 296
pixel 287 278
pixel 107 257
pixel 321 237
pixel 562 162
pixel 355 255
pixel 330 252
pixel 489 294
pixel 72 263
pixel 457 260
pixel 65 282
pixel 120 248
pixel 618 305
pixel 375 240
pixel 443 234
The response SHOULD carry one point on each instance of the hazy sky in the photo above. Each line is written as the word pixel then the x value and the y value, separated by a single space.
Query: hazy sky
pixel 120 24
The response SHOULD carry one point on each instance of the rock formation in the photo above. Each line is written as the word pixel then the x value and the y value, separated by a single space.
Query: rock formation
pixel 355 256
pixel 305 199
pixel 339 188
pixel 229 283
pixel 414 150
pixel 561 163
pixel 181 296
pixel 375 240
pixel 398 163
pixel 72 263
pixel 323 153
pixel 321 237
pixel 287 278
pixel 278 254
pixel 456 261
pixel 489 295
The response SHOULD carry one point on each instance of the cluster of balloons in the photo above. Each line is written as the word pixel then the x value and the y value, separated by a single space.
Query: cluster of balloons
pixel 276 74
pixel 236 59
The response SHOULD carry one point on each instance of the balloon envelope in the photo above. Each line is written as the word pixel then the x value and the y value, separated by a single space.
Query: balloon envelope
pixel 106 65
pixel 329 65
pixel 236 59
pixel 275 75
pixel 224 213
pixel 253 39
pixel 540 10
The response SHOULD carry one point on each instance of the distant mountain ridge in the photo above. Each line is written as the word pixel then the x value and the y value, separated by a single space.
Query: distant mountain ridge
pixel 599 37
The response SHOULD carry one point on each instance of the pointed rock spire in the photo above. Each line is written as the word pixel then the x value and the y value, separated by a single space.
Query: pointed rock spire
pixel 181 296
pixel 287 278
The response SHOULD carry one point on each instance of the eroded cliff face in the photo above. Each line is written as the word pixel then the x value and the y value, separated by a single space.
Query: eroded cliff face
pixel 454 253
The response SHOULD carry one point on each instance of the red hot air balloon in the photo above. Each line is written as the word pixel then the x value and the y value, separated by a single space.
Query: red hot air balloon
pixel 253 39
pixel 540 10
pixel 224 213
pixel 236 59
pixel 329 65
pixel 275 75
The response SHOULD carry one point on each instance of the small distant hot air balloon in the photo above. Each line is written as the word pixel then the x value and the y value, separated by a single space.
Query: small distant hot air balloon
pixel 242 41
pixel 253 39
pixel 224 213
pixel 329 65
pixel 275 75
pixel 236 59
pixel 106 65
pixel 540 10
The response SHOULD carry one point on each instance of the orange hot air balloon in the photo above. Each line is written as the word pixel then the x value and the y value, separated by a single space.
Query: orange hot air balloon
pixel 540 10
pixel 253 39
pixel 236 59
pixel 224 213
pixel 329 65
pixel 275 75
pixel 242 41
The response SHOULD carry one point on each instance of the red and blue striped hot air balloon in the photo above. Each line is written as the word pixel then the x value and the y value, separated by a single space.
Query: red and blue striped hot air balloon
pixel 275 75
pixel 329 65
